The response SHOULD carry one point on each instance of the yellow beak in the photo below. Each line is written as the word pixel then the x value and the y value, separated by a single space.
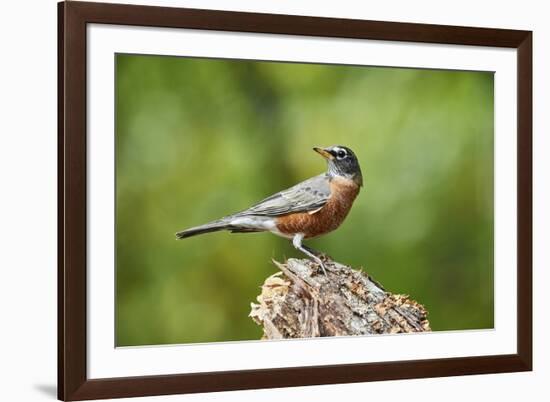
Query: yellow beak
pixel 324 153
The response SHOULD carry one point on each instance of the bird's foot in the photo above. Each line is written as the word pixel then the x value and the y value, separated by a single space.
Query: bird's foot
pixel 323 267
pixel 312 254
pixel 317 260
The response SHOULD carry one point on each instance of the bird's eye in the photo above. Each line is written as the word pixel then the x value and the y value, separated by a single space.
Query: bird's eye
pixel 341 154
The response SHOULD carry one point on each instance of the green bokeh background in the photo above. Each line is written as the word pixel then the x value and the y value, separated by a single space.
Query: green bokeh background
pixel 197 139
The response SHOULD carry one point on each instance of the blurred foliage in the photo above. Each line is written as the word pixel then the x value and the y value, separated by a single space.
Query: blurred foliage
pixel 197 139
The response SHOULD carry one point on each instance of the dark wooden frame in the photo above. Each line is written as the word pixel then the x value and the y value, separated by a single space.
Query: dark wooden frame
pixel 73 383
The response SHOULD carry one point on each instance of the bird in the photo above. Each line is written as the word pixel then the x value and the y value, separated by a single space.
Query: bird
pixel 306 210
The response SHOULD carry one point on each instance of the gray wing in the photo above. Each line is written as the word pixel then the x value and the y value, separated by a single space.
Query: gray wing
pixel 307 196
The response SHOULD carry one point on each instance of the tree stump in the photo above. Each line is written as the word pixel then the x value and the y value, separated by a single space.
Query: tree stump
pixel 301 302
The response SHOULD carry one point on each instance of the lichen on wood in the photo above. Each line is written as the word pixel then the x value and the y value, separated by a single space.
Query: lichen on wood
pixel 301 302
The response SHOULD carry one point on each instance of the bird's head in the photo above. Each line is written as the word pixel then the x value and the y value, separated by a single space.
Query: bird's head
pixel 342 162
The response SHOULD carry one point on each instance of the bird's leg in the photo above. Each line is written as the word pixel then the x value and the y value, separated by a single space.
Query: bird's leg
pixel 313 251
pixel 297 243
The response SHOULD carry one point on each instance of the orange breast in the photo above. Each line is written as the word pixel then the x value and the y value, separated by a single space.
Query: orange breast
pixel 328 218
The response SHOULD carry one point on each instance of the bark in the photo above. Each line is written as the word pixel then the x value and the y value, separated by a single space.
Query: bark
pixel 301 302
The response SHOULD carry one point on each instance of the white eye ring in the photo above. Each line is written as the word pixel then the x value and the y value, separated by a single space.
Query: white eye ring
pixel 341 153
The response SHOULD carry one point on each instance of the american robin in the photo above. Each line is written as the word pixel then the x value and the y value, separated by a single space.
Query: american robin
pixel 309 209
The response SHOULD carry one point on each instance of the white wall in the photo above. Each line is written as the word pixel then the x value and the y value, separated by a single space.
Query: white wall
pixel 28 197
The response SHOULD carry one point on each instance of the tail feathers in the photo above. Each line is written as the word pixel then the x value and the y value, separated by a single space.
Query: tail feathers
pixel 206 228
pixel 235 229
pixel 232 223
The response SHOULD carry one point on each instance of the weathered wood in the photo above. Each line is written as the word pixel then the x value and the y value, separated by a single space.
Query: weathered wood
pixel 301 302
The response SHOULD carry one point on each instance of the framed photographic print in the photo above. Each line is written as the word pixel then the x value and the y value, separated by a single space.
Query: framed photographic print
pixel 254 200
